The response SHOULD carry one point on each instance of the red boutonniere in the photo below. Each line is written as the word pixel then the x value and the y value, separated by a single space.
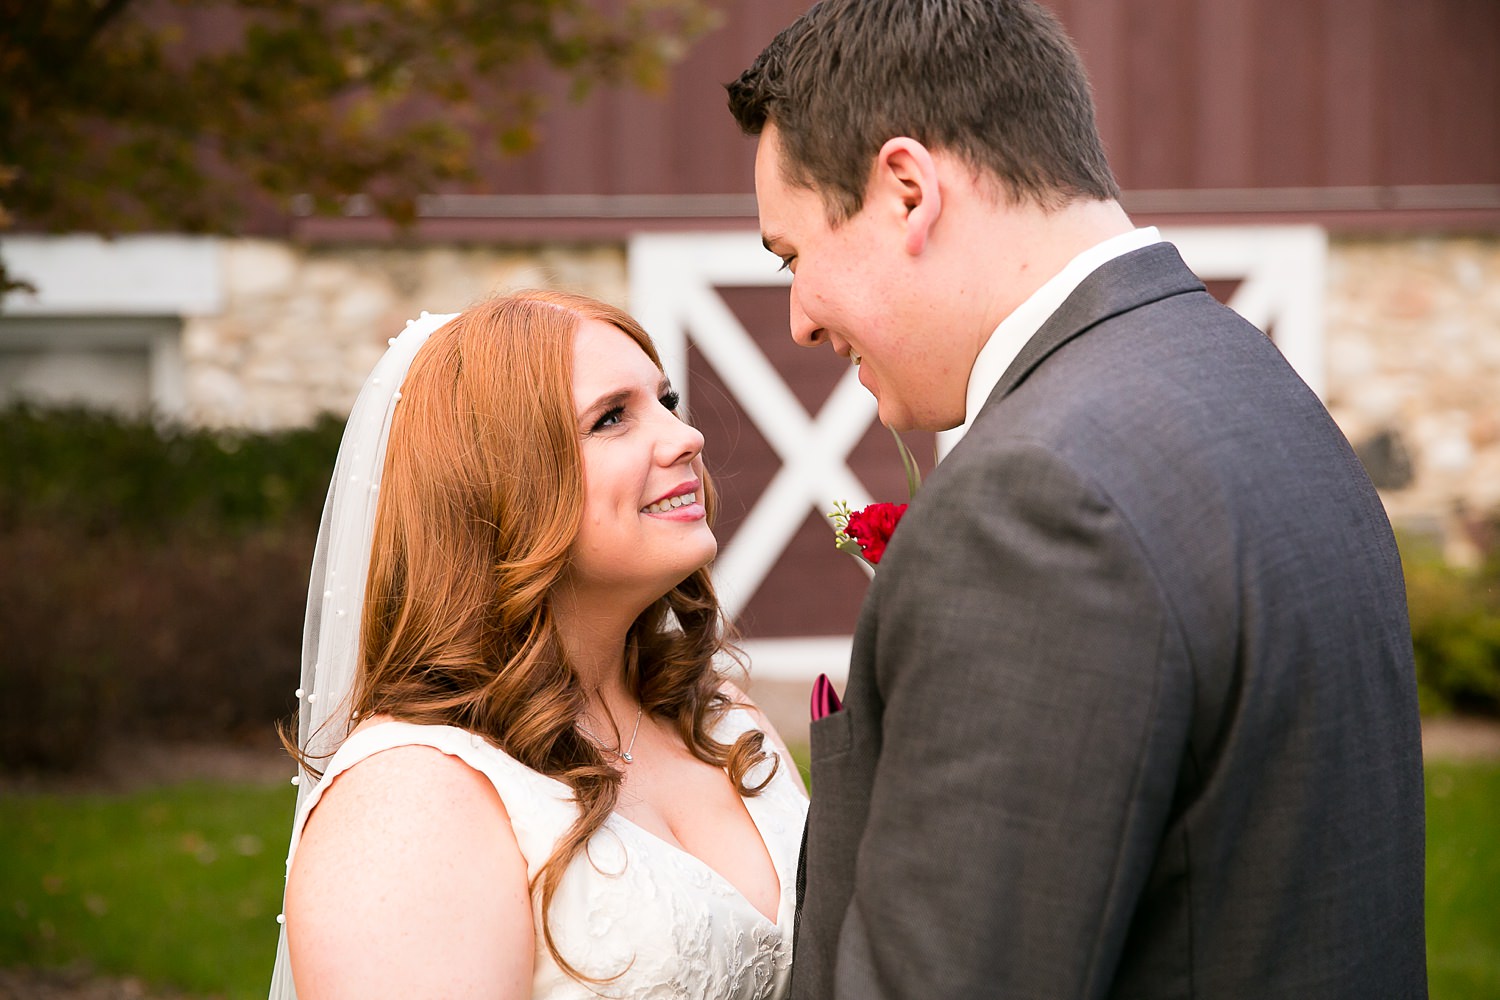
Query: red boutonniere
pixel 865 533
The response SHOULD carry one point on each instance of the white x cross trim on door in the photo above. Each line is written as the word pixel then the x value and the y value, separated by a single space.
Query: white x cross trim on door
pixel 673 281
pixel 672 292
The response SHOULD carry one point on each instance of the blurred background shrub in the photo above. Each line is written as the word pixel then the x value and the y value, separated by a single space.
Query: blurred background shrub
pixel 153 579
pixel 103 474
pixel 1455 626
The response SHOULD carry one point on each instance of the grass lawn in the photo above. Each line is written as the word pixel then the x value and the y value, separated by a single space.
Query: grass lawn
pixel 180 886
pixel 1463 880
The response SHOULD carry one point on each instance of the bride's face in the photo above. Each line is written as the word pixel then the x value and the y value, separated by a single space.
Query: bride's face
pixel 644 526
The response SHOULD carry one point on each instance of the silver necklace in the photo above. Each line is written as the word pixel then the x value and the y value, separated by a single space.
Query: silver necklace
pixel 624 753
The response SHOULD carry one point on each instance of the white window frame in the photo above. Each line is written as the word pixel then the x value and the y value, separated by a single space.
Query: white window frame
pixel 132 290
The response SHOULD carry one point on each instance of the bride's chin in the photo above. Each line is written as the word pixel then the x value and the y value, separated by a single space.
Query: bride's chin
pixel 704 560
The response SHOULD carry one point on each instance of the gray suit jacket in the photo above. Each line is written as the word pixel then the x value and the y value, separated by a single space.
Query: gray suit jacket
pixel 1131 711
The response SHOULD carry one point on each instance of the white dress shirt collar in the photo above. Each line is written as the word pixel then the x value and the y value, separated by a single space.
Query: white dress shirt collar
pixel 1027 318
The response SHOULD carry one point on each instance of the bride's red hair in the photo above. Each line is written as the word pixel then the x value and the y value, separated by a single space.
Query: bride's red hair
pixel 481 500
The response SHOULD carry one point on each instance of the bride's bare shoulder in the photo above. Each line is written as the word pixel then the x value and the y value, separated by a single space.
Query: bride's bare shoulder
pixel 386 785
pixel 411 839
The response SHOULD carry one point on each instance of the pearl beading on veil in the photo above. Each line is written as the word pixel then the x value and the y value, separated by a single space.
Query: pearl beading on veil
pixel 341 562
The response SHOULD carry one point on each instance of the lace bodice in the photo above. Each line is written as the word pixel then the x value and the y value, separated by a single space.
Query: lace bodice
pixel 632 902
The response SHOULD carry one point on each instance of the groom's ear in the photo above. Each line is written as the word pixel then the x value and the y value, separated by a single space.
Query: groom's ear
pixel 905 182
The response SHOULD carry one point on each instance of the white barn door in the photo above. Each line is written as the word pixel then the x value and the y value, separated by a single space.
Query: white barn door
pixel 678 288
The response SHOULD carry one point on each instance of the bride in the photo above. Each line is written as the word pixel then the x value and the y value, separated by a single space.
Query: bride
pixel 522 775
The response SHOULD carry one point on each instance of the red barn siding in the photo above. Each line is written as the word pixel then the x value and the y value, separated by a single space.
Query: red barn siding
pixel 1347 112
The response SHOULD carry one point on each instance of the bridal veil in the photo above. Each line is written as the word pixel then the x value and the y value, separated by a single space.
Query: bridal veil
pixel 336 588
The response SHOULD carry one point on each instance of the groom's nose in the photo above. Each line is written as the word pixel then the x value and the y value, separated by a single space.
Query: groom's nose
pixel 805 332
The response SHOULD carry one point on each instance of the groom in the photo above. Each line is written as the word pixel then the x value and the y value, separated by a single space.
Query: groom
pixel 1131 711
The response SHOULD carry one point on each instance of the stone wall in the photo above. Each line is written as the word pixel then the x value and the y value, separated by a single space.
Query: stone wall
pixel 1413 349
pixel 300 328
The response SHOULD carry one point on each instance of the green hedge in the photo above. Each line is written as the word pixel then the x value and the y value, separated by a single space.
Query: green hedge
pixel 106 475
pixel 1455 625
pixel 153 579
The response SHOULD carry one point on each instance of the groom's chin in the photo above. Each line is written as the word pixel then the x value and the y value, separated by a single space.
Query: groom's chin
pixel 901 421
pixel 896 414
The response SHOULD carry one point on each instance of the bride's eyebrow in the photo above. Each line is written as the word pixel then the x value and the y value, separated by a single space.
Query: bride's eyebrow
pixel 606 402
pixel 618 397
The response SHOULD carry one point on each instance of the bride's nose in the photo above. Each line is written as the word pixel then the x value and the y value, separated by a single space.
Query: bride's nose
pixel 679 443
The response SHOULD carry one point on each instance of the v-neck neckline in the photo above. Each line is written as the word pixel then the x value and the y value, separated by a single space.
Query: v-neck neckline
pixel 752 810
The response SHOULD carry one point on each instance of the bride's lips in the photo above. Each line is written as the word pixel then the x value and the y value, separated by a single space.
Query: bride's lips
pixel 681 503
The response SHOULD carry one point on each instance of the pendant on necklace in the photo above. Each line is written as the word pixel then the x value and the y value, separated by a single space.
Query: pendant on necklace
pixel 622 751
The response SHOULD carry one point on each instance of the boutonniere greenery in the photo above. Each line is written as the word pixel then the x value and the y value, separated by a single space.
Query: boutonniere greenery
pixel 864 533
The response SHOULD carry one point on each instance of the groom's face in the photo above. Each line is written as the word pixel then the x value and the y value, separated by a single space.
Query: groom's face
pixel 854 288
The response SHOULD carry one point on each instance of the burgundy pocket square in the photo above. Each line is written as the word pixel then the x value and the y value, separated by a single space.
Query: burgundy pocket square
pixel 825 700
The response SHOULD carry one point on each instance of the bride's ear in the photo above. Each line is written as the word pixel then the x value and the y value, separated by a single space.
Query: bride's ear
pixel 906 183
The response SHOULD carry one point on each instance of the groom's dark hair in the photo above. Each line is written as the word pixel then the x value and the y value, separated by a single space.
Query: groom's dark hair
pixel 996 82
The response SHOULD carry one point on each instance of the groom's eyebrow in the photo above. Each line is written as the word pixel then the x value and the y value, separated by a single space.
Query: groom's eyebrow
pixel 772 242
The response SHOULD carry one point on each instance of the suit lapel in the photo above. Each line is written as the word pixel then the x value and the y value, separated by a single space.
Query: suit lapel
pixel 1128 282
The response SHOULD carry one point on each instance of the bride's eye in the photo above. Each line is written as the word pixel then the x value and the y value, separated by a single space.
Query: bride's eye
pixel 610 418
pixel 671 401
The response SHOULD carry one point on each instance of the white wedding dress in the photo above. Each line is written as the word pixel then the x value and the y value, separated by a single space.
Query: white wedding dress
pixel 632 902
